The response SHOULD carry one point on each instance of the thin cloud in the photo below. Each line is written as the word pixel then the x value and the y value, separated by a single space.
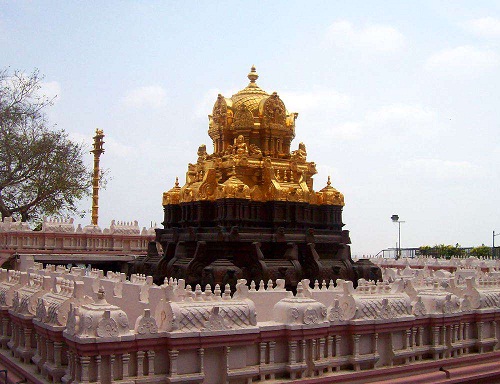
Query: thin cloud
pixel 347 131
pixel 370 38
pixel 152 96
pixel 462 60
pixel 401 119
pixel 393 119
pixel 485 27
pixel 431 168
pixel 316 100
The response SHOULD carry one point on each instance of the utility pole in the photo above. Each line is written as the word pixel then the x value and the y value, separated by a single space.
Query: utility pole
pixel 97 151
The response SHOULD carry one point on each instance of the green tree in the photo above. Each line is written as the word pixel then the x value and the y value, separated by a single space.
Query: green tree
pixel 481 251
pixel 42 171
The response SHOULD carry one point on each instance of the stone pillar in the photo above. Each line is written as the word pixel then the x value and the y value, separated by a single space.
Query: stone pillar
pixel 480 335
pixel 460 337
pixel 329 347
pixel 140 363
pixel 151 362
pixel 27 338
pixel 355 339
pixel 466 332
pixel 263 348
pixel 322 342
pixel 57 353
pixel 173 355
pixel 494 334
pixel 84 362
pixel 292 350
pixel 272 346
pixel 303 350
pixel 435 335
pixel 201 360
pixel 37 357
pixel 313 357
pixel 50 356
pixel 337 345
pixel 68 376
pixel 227 351
pixel 112 367
pixel 125 365
pixel 13 339
pixel 97 360
pixel 20 338
pixel 355 352
pixel 5 330
pixel 413 341
pixel 262 357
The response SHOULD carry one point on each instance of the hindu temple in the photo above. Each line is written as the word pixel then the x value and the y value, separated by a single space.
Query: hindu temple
pixel 249 210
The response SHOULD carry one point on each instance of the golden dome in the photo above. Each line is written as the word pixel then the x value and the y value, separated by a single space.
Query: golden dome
pixel 250 96
pixel 329 195
pixel 173 195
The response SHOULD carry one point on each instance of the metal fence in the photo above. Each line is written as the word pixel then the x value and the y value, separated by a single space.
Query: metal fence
pixel 392 253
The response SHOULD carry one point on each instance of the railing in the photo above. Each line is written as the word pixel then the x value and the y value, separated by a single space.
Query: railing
pixel 391 253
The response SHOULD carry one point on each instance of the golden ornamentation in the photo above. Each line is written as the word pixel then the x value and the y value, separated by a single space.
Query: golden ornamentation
pixel 251 133
pixel 300 154
pixel 329 195
pixel 243 118
pixel 219 112
pixel 172 196
pixel 274 112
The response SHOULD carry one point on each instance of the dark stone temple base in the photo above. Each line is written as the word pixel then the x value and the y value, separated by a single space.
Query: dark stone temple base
pixel 226 240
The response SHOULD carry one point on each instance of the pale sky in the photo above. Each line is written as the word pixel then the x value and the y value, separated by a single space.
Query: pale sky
pixel 398 100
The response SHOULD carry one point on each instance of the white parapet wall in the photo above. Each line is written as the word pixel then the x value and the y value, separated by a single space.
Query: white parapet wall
pixel 81 326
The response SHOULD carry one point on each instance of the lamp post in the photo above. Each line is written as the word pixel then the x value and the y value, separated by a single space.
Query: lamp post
pixel 493 248
pixel 395 219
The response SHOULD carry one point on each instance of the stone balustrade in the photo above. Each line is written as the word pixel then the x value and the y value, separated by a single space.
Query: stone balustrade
pixel 81 326
pixel 60 237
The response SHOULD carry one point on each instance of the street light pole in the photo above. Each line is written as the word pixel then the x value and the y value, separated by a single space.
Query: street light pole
pixel 395 219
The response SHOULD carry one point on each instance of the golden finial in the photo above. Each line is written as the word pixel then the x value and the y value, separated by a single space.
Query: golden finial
pixel 176 182
pixel 328 182
pixel 253 76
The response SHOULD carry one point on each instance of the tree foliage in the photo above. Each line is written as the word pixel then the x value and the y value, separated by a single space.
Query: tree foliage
pixel 442 251
pixel 42 171
pixel 481 251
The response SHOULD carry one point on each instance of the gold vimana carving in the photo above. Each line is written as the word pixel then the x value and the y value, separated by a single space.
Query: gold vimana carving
pixel 252 158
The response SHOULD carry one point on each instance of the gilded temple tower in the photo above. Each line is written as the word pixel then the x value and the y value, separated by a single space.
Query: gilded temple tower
pixel 97 151
pixel 248 209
